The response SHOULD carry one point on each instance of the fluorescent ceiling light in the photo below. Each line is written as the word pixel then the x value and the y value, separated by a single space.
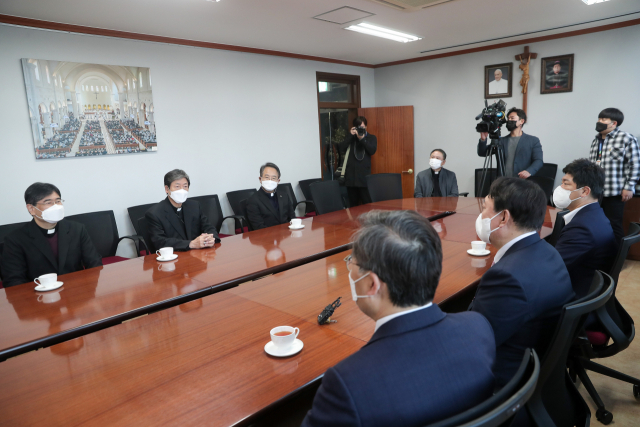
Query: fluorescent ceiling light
pixel 374 30
pixel 590 2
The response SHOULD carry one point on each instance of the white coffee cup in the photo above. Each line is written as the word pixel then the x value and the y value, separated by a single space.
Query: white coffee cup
pixel 169 266
pixel 283 336
pixel 478 246
pixel 46 280
pixel 164 252
pixel 296 222
pixel 49 298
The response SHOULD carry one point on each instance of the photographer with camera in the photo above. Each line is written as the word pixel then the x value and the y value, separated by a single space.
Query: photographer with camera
pixel 358 150
pixel 522 152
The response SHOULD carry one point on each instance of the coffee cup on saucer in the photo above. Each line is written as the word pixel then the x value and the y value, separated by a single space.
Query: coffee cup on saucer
pixel 296 223
pixel 46 280
pixel 284 336
pixel 164 253
pixel 478 246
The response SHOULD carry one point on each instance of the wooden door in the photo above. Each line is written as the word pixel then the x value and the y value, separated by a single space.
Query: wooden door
pixel 393 126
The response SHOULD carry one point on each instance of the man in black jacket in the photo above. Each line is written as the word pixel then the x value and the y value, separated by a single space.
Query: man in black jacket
pixel 268 206
pixel 47 244
pixel 177 222
pixel 362 146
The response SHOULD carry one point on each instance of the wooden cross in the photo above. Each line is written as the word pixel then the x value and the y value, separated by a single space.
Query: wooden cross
pixel 525 60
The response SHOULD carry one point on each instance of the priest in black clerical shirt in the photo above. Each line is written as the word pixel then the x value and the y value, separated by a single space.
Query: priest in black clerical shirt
pixel 268 206
pixel 436 181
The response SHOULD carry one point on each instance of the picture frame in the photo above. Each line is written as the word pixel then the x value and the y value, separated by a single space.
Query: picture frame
pixel 498 86
pixel 556 74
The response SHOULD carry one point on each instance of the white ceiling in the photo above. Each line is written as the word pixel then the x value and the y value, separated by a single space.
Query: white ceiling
pixel 287 25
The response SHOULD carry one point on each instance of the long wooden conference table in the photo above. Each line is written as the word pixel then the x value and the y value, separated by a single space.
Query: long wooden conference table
pixel 198 357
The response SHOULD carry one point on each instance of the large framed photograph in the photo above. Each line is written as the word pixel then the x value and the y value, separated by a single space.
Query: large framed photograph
pixel 497 80
pixel 557 74
pixel 85 110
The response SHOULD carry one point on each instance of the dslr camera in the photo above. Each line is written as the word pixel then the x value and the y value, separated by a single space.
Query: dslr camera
pixel 492 118
pixel 361 131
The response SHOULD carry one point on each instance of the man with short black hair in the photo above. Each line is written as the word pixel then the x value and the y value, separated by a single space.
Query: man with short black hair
pixel 420 360
pixel 47 244
pixel 523 292
pixel 586 242
pixel 177 222
pixel 436 181
pixel 268 206
pixel 618 154
pixel 522 152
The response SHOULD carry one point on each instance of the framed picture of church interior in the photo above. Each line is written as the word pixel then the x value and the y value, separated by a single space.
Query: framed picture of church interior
pixel 557 74
pixel 497 80
pixel 85 110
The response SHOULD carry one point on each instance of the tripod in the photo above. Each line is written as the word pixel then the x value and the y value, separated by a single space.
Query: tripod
pixel 492 149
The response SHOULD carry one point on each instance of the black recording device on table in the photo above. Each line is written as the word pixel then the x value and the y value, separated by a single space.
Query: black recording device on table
pixel 493 117
pixel 324 318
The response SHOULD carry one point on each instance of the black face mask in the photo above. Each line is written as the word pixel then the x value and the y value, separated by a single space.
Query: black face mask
pixel 511 125
pixel 601 126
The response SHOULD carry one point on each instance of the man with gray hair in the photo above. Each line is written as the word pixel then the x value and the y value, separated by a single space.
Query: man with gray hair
pixel 177 222
pixel 419 360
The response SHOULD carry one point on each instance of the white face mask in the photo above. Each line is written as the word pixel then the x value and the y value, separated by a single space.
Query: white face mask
pixel 179 196
pixel 352 284
pixel 435 163
pixel 269 185
pixel 53 215
pixel 561 197
pixel 483 227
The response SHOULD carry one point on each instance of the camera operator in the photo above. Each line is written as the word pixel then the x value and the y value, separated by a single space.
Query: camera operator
pixel 362 145
pixel 522 152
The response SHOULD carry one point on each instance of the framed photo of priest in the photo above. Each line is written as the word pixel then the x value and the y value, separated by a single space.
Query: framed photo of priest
pixel 557 74
pixel 497 80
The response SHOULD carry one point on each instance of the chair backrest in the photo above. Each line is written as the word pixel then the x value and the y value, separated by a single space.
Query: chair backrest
pixel 243 212
pixel 326 196
pixel 384 186
pixel 7 229
pixel 558 225
pixel 136 212
pixel 144 232
pixel 102 229
pixel 304 186
pixel 234 198
pixel 501 408
pixel 548 170
pixel 632 237
pixel 286 187
pixel 556 401
pixel 492 174
pixel 210 205
pixel 546 184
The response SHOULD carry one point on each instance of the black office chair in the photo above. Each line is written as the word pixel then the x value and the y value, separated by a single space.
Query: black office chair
pixel 234 198
pixel 552 238
pixel 326 196
pixel 243 210
pixel 309 207
pixel 5 230
pixel 210 205
pixel 612 323
pixel 500 409
pixel 492 175
pixel 102 229
pixel 304 186
pixel 384 186
pixel 548 170
pixel 546 184
pixel 143 226
pixel 136 212
pixel 556 401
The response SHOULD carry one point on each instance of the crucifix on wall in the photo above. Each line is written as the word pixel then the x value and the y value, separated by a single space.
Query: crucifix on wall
pixel 525 61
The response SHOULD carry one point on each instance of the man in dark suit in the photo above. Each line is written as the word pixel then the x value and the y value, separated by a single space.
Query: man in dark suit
pixel 586 242
pixel 522 152
pixel 177 222
pixel 361 145
pixel 47 244
pixel 268 206
pixel 436 181
pixel 523 292
pixel 421 365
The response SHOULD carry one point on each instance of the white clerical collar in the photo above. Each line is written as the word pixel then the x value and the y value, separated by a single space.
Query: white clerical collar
pixel 506 247
pixel 569 216
pixel 385 319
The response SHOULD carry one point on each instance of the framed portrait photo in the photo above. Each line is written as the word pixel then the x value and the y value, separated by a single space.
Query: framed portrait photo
pixel 497 80
pixel 557 74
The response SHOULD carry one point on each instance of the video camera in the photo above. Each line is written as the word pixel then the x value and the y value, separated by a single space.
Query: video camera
pixel 493 117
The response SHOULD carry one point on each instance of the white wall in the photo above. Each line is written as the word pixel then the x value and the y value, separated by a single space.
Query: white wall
pixel 448 93
pixel 219 116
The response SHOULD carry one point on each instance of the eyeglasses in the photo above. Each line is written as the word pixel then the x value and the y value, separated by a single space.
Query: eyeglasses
pixel 349 260
pixel 50 203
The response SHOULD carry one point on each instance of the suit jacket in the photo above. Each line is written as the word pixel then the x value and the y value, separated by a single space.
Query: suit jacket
pixel 587 244
pixel 522 296
pixel 27 253
pixel 261 212
pixel 357 170
pixel 446 179
pixel 166 230
pixel 417 369
pixel 528 153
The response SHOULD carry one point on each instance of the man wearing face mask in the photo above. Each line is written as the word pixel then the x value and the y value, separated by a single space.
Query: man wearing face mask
pixel 47 244
pixel 412 370
pixel 586 242
pixel 436 181
pixel 618 154
pixel 523 292
pixel 268 206
pixel 359 147
pixel 177 222
pixel 522 152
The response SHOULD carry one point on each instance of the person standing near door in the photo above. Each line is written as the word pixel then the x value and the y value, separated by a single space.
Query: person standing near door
pixel 361 146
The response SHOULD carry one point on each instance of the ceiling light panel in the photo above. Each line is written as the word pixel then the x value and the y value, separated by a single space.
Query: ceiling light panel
pixel 590 2
pixel 374 30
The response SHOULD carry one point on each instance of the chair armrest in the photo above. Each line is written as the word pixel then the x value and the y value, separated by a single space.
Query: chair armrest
pixel 137 240
pixel 463 194
pixel 309 206
pixel 243 221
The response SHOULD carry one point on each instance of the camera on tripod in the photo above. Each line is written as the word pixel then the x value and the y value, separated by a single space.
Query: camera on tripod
pixel 493 117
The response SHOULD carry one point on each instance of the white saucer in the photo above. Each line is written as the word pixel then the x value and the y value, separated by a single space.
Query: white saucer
pixel 291 227
pixel 41 288
pixel 272 350
pixel 481 253
pixel 171 258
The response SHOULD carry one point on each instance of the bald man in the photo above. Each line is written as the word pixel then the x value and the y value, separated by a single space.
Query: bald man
pixel 499 85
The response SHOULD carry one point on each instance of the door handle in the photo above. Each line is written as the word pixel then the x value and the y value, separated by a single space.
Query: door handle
pixel 410 171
